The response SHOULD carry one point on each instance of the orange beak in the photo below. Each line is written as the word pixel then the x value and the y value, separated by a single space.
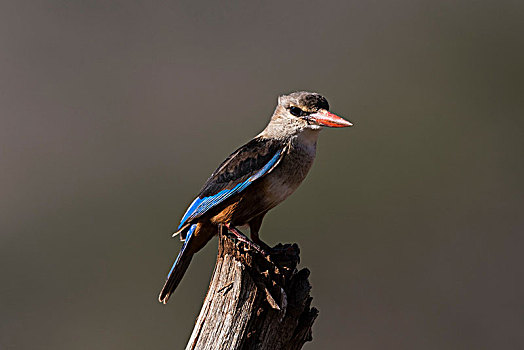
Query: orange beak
pixel 325 118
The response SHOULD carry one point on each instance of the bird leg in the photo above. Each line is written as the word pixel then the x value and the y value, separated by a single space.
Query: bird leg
pixel 254 228
pixel 256 239
pixel 243 238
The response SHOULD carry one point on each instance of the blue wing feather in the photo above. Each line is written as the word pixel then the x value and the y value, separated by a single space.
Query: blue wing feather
pixel 202 205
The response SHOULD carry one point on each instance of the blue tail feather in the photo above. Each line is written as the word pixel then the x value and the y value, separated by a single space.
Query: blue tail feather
pixel 178 269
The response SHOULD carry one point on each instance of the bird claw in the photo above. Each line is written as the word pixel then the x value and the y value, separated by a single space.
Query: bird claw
pixel 243 238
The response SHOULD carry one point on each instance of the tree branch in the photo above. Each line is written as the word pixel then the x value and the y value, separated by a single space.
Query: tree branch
pixel 255 302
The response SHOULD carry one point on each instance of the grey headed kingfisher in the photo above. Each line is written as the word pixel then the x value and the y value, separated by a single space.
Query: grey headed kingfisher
pixel 254 179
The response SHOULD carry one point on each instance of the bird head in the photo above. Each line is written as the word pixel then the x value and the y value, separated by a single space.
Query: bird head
pixel 303 110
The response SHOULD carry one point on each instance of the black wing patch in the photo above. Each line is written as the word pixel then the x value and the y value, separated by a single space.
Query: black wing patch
pixel 239 170
pixel 240 165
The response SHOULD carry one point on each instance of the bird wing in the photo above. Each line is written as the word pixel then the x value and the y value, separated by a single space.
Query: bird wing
pixel 247 164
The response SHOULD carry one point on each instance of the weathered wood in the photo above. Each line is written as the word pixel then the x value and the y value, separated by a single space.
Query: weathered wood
pixel 255 302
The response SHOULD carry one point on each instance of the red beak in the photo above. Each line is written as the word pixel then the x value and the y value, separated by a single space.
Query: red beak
pixel 324 118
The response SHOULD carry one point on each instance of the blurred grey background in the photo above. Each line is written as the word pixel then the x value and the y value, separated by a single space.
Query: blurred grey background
pixel 113 114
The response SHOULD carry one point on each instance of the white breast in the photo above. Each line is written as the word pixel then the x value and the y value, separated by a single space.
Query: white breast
pixel 293 168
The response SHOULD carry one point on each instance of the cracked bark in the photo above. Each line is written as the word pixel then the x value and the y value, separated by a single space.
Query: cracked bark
pixel 254 302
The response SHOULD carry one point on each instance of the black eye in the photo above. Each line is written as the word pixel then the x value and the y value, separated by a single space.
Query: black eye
pixel 297 112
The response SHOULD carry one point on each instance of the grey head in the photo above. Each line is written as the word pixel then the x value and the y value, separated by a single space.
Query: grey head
pixel 300 111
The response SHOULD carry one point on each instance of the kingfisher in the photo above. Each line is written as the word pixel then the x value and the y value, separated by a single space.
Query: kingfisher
pixel 254 179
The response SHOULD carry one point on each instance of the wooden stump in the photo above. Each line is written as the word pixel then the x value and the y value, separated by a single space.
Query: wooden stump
pixel 255 302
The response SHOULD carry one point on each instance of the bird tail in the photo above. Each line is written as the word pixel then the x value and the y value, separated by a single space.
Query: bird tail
pixel 179 268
